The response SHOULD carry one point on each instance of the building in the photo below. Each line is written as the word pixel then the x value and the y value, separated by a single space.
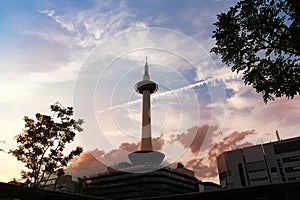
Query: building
pixel 63 184
pixel 208 187
pixel 274 162
pixel 116 184
pixel 278 191
pixel 19 191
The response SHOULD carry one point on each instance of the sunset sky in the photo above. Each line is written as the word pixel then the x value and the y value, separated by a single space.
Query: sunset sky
pixel 90 54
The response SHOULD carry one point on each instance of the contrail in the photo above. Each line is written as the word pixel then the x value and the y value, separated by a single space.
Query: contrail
pixel 157 96
pixel 182 89
pixel 121 105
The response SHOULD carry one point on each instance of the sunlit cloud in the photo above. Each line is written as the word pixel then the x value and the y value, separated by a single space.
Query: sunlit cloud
pixel 205 167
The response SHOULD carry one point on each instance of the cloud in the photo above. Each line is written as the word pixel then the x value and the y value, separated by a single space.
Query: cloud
pixel 93 162
pixel 234 140
pixel 131 147
pixel 194 137
pixel 96 161
pixel 201 169
pixel 86 164
pixel 157 143
pixel 246 110
pixel 206 167
pixel 50 13
pixel 64 23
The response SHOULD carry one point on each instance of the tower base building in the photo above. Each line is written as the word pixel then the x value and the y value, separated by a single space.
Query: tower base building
pixel 115 184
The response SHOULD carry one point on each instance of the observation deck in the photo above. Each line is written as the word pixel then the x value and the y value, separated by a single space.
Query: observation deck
pixel 143 85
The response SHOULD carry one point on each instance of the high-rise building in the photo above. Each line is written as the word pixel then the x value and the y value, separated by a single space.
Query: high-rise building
pixel 273 162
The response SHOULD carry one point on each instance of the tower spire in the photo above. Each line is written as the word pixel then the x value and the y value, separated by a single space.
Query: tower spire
pixel 146 71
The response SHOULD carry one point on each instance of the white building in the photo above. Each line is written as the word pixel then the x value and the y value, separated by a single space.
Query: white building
pixel 267 163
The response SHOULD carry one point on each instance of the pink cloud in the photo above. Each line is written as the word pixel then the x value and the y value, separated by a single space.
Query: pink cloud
pixel 131 147
pixel 206 167
pixel 193 138
pixel 284 110
pixel 89 162
pixel 157 144
pixel 86 164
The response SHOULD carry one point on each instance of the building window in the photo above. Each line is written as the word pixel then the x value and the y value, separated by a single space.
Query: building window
pixel 294 179
pixel 259 179
pixel 273 169
pixel 291 159
pixel 256 166
pixel 279 163
pixel 292 169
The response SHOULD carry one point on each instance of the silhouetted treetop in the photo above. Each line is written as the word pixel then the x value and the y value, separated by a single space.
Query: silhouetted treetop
pixel 42 143
pixel 261 39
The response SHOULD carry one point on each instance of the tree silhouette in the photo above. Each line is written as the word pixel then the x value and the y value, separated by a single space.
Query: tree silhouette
pixel 42 144
pixel 261 39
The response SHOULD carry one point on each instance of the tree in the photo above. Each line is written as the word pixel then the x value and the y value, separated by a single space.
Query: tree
pixel 42 144
pixel 261 39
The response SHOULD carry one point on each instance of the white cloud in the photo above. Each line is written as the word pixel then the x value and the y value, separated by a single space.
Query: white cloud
pixel 61 20
pixel 50 13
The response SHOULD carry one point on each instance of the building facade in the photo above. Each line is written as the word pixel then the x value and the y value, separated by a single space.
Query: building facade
pixel 273 162
pixel 122 185
pixel 63 184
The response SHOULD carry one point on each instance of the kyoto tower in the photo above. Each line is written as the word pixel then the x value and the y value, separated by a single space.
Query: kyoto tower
pixel 146 87
pixel 146 155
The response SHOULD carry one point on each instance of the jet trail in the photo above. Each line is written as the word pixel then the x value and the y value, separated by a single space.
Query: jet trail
pixel 159 95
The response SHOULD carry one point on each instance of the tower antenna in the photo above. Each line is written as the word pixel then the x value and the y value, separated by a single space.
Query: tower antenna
pixel 277 135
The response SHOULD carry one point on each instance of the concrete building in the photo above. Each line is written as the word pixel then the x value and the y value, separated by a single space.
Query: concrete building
pixel 63 184
pixel 116 184
pixel 208 187
pixel 273 162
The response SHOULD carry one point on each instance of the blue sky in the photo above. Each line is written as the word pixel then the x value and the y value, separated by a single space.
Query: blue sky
pixel 55 50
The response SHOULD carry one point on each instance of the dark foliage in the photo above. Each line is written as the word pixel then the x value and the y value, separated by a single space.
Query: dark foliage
pixel 43 141
pixel 261 39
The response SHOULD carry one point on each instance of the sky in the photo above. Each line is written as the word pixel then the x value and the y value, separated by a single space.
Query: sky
pixel 90 54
